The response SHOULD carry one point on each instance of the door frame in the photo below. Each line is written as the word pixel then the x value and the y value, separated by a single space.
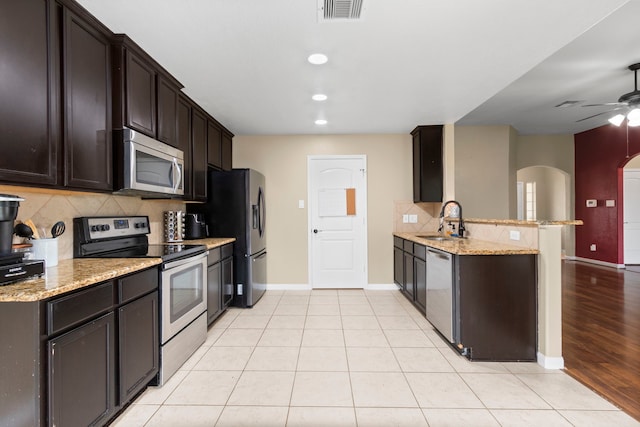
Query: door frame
pixel 363 209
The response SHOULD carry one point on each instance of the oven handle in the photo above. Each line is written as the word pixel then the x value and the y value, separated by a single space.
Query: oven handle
pixel 192 259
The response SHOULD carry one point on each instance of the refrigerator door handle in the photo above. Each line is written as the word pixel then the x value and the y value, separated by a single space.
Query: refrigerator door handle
pixel 261 212
pixel 255 216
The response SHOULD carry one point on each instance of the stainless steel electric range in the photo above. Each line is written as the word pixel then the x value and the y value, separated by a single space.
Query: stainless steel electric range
pixel 183 280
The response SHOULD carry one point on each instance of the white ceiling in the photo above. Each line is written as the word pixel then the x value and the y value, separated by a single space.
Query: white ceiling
pixel 405 63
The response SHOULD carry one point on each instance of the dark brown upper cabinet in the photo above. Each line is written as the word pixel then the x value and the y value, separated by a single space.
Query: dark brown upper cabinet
pixel 199 154
pixel 427 163
pixel 55 114
pixel 214 144
pixel 145 95
pixel 86 69
pixel 183 132
pixel 29 116
pixel 227 151
pixel 167 111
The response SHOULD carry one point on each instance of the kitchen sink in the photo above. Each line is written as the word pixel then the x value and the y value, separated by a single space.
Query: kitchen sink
pixel 437 238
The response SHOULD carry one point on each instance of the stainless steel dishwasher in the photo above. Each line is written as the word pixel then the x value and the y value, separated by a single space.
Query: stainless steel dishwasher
pixel 440 292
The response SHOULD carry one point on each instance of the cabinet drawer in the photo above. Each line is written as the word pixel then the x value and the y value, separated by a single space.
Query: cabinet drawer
pixel 408 246
pixel 397 242
pixel 420 251
pixel 227 251
pixel 214 256
pixel 137 284
pixel 79 307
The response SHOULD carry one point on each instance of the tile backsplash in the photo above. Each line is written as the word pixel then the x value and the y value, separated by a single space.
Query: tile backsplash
pixel 45 207
pixel 427 214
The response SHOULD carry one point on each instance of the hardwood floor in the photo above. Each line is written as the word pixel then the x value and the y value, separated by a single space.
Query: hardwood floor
pixel 601 331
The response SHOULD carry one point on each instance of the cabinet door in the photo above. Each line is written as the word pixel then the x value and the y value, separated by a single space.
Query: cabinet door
pixel 140 95
pixel 82 374
pixel 139 346
pixel 408 276
pixel 184 143
pixel 214 145
pixel 87 106
pixel 227 282
pixel 167 112
pixel 227 152
pixel 214 297
pixel 427 164
pixel 199 155
pixel 420 280
pixel 398 267
pixel 28 119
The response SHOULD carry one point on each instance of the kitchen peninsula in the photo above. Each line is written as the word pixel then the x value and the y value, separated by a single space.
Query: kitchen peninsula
pixel 494 237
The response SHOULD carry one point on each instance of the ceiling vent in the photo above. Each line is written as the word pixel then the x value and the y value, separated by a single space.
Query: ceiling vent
pixel 336 10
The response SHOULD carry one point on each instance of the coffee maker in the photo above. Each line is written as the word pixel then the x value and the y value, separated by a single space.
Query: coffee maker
pixel 12 266
pixel 195 227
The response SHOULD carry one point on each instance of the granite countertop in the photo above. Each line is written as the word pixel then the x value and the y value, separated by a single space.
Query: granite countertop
pixel 466 246
pixel 211 242
pixel 72 274
pixel 522 222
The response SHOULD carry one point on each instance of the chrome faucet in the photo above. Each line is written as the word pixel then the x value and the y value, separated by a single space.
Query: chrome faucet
pixel 461 227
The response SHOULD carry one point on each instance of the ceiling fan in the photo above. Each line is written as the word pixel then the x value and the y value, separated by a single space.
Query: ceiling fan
pixel 629 102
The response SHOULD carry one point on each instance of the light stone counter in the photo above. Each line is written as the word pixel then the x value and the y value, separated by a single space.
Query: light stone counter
pixel 518 222
pixel 72 274
pixel 466 246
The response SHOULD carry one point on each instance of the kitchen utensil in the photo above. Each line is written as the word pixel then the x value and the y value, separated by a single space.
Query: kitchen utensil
pixel 33 228
pixel 23 230
pixel 57 229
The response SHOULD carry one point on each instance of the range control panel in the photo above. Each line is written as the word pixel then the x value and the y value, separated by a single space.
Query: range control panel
pixel 101 228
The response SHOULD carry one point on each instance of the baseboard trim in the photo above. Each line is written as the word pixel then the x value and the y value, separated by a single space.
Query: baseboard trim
pixel 550 362
pixel 597 262
pixel 307 287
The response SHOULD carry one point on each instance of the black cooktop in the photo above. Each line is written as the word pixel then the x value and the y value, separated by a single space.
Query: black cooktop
pixel 167 252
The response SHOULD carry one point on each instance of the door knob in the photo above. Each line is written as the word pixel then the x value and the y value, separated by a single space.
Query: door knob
pixel 315 230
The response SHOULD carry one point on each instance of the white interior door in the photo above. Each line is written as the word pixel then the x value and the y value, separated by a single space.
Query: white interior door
pixel 631 194
pixel 337 187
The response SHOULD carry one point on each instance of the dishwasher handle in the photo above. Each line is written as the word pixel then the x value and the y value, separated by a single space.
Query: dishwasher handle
pixel 438 254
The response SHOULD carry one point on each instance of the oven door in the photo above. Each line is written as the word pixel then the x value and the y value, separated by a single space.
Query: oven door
pixel 183 294
pixel 152 170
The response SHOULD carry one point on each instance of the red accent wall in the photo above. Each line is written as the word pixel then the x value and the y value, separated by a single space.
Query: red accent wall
pixel 599 156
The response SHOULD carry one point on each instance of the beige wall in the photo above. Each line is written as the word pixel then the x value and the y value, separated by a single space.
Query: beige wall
pixel 484 168
pixel 283 161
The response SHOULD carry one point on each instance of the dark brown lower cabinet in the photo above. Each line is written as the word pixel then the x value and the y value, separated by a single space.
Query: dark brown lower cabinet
pixel 420 282
pixel 138 345
pixel 497 306
pixel 219 281
pixel 78 358
pixel 82 374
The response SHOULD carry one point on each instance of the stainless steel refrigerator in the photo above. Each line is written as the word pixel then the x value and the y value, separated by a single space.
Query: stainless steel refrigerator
pixel 236 208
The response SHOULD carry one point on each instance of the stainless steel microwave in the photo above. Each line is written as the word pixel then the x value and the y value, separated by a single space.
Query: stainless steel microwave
pixel 148 167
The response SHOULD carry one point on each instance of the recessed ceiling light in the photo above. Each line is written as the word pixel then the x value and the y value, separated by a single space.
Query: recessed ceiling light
pixel 319 97
pixel 321 122
pixel 317 59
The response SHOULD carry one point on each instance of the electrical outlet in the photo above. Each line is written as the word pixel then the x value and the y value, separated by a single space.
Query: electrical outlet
pixel 514 235
pixel 405 218
pixel 413 219
pixel 592 248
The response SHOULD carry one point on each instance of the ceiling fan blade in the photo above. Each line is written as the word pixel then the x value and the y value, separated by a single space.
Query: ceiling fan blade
pixel 595 115
pixel 607 104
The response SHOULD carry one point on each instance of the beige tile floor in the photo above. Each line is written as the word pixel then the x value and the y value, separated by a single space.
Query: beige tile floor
pixel 355 358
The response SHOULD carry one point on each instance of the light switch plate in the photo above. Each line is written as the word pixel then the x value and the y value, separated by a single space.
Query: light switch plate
pixel 301 204
pixel 405 218
pixel 413 219
pixel 610 203
pixel 592 203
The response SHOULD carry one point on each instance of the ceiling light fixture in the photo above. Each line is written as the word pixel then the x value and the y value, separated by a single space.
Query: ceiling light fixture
pixel 633 118
pixel 319 97
pixel 317 59
pixel 321 122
